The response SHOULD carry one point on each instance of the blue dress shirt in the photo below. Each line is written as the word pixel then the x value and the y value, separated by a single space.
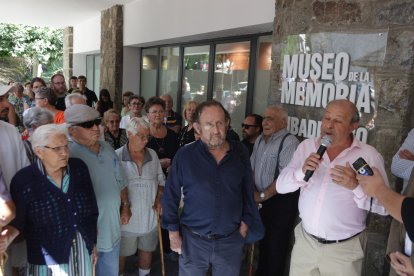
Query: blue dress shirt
pixel 217 197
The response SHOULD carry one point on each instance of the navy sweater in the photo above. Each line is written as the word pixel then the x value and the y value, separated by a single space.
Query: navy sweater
pixel 49 218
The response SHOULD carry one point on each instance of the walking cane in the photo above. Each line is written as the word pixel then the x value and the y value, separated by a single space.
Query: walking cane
pixel 251 260
pixel 161 244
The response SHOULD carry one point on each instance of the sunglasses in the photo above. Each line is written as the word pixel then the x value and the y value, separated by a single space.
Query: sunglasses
pixel 246 126
pixel 90 124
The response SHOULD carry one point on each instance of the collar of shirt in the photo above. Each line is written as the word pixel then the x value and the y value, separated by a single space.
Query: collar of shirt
pixel 273 137
pixel 355 144
pixel 125 156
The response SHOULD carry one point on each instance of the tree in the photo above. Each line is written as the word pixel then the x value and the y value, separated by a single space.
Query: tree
pixel 34 44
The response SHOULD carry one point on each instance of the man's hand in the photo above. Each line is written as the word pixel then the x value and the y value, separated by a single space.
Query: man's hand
pixel 125 214
pixel 401 264
pixel 257 198
pixel 243 229
pixel 372 184
pixel 311 163
pixel 406 154
pixel 344 176
pixel 175 241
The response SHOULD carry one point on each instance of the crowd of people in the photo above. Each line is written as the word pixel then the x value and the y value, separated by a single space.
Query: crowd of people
pixel 83 186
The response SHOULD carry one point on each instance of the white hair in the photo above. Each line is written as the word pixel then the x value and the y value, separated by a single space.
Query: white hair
pixel 43 134
pixel 36 116
pixel 135 123
pixel 281 110
pixel 68 98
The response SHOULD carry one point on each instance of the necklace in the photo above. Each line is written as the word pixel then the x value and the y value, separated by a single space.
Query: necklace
pixel 161 148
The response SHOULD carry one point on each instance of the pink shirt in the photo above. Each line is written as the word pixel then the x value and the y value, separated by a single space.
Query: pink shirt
pixel 328 210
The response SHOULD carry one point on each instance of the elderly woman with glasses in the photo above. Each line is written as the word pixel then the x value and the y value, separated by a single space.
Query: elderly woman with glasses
pixel 163 140
pixel 56 209
pixel 115 136
pixel 145 186
pixel 135 105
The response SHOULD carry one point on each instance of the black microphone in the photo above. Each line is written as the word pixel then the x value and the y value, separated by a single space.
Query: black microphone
pixel 325 142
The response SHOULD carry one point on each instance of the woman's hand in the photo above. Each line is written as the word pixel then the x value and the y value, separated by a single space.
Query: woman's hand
pixel 125 214
pixel 8 234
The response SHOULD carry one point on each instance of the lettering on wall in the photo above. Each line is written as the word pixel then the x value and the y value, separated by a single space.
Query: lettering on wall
pixel 313 80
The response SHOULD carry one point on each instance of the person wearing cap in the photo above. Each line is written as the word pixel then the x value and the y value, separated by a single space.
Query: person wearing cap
pixel 330 240
pixel 108 180
pixel 7 112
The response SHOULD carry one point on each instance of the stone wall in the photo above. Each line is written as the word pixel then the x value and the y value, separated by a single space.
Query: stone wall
pixel 68 53
pixel 112 22
pixel 393 80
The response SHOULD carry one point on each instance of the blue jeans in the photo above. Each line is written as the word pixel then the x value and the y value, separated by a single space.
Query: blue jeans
pixel 224 255
pixel 108 262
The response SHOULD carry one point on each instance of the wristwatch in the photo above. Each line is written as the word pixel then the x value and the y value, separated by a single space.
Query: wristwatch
pixel 262 196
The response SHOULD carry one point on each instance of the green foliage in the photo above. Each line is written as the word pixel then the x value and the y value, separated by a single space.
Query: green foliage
pixel 13 69
pixel 44 45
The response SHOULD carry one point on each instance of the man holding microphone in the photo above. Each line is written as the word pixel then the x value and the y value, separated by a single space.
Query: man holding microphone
pixel 332 205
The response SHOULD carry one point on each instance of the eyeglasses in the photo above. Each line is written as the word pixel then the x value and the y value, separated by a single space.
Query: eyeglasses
pixel 136 103
pixel 58 149
pixel 39 98
pixel 246 126
pixel 143 137
pixel 114 122
pixel 59 83
pixel 90 124
pixel 157 112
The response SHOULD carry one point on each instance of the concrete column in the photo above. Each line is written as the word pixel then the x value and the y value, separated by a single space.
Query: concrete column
pixel 68 53
pixel 112 24
pixel 393 79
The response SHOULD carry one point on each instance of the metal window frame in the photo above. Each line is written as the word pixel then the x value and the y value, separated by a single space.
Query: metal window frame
pixel 252 38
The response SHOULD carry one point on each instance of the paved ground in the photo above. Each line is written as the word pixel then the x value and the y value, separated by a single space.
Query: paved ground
pixel 171 267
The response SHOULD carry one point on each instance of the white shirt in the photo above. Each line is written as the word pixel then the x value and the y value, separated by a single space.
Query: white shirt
pixel 142 191
pixel 12 152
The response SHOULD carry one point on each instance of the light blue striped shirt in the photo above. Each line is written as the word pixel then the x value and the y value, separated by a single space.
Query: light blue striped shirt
pixel 264 157
pixel 402 167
